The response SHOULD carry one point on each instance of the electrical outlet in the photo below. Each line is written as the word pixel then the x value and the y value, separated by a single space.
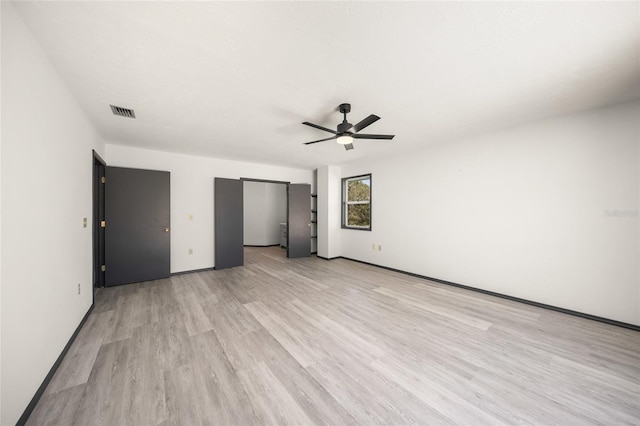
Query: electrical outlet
pixel 379 247
pixel 84 222
pixel 190 251
pixel 78 288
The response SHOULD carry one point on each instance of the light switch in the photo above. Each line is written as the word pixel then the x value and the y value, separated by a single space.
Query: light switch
pixel 190 216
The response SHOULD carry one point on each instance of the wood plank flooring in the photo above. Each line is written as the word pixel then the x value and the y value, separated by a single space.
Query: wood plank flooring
pixel 309 341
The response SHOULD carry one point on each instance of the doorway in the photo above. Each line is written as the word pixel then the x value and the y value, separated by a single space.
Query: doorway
pixel 264 213
pixel 297 223
pixel 229 220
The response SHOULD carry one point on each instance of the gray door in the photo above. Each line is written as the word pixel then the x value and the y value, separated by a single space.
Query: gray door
pixel 99 170
pixel 299 220
pixel 137 213
pixel 228 223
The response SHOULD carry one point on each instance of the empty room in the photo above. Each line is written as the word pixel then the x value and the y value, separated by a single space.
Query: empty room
pixel 297 213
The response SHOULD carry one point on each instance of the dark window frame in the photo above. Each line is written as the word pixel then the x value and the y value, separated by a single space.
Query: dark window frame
pixel 343 205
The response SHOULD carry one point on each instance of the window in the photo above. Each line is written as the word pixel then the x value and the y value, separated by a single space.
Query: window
pixel 356 202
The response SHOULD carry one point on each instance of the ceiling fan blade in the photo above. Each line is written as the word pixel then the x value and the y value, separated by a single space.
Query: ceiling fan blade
pixel 321 140
pixel 363 136
pixel 348 146
pixel 320 127
pixel 366 122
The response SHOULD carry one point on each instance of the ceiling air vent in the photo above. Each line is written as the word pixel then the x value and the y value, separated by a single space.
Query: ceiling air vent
pixel 122 112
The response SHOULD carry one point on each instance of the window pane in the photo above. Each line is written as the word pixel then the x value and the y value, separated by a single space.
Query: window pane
pixel 359 215
pixel 356 202
pixel 359 190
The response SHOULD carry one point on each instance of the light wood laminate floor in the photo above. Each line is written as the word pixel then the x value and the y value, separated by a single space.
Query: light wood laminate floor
pixel 309 341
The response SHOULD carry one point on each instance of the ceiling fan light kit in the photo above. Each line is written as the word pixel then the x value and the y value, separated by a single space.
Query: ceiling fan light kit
pixel 344 139
pixel 344 135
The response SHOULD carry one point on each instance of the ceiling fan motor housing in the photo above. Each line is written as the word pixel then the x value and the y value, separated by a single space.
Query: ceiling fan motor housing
pixel 344 126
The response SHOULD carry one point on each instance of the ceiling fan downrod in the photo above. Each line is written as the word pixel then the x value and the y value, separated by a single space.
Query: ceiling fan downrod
pixel 345 125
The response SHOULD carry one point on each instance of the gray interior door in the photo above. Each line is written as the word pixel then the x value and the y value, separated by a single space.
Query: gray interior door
pixel 299 220
pixel 99 173
pixel 137 213
pixel 228 223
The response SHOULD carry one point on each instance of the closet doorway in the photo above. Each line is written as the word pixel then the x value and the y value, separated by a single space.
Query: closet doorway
pixel 265 213
pixel 229 218
pixel 277 213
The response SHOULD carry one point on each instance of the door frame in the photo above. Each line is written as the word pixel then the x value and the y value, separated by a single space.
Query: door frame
pixel 285 182
pixel 98 237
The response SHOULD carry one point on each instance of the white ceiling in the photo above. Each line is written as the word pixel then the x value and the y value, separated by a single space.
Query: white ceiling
pixel 236 79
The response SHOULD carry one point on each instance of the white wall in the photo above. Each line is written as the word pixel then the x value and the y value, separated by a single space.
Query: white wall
pixel 529 212
pixel 46 192
pixel 328 203
pixel 265 207
pixel 0 230
pixel 192 193
pixel 276 202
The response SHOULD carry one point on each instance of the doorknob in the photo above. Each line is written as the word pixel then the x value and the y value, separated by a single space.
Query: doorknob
pixel 166 229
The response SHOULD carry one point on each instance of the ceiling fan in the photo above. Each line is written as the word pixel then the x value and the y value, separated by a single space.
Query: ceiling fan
pixel 344 135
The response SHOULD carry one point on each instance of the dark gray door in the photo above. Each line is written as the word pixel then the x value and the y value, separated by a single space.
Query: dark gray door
pixel 137 238
pixel 228 221
pixel 99 168
pixel 299 220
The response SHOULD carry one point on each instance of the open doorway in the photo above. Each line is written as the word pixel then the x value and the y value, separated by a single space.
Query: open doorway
pixel 264 213
pixel 229 220
pixel 277 213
